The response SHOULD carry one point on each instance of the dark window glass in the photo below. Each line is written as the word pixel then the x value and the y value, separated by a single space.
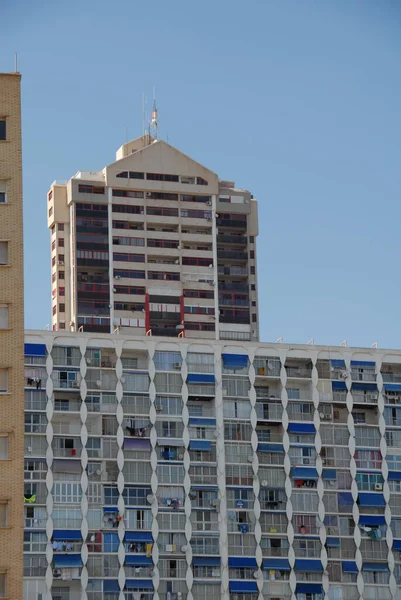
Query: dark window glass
pixel 3 129
pixel 252 270
pixel 252 254
pixel 123 174
pixel 136 175
pixel 253 287
pixel 60 226
pixel 61 308
pixel 254 319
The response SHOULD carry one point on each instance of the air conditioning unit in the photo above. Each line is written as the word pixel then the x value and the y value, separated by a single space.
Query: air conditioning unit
pixel 209 203
pixel 60 263
pixel 159 407
pixel 98 383
pixel 214 502
pixel 57 573
pixel 117 277
pixel 75 384
pixel 374 396
pixel 264 483
pixel 180 456
pixel 344 374
pixel 184 548
pixel 378 487
pixel 88 361
pixel 177 366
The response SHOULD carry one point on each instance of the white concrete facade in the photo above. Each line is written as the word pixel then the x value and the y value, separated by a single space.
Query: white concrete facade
pixel 210 470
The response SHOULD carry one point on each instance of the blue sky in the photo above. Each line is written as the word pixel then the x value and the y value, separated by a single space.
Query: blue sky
pixel 297 101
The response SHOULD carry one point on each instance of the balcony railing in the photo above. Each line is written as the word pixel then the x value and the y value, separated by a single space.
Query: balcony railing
pixel 363 376
pixel 298 372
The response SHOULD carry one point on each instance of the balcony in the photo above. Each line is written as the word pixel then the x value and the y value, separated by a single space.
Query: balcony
pixel 363 375
pixel 272 411
pixel 298 372
pixel 232 255
pixel 240 240
pixel 234 271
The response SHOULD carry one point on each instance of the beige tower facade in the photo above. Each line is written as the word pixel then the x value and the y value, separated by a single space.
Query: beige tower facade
pixel 154 244
pixel 11 340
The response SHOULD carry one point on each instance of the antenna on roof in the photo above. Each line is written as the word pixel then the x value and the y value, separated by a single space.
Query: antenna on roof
pixel 153 122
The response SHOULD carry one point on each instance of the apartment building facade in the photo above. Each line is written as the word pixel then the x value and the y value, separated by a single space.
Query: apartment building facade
pixel 179 469
pixel 11 339
pixel 154 244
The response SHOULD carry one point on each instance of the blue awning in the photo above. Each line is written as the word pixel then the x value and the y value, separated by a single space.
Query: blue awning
pixel 200 378
pixel 372 520
pixel 339 385
pixel 309 588
pixel 138 536
pixel 367 499
pixel 138 560
pixel 301 428
pixel 276 564
pixel 62 561
pixel 349 566
pixel 242 562
pixel 304 473
pixel 364 386
pixel 110 585
pixel 333 542
pixel 205 486
pixel 139 584
pixel 329 474
pixel 34 349
pixel 345 499
pixel 362 363
pixel 110 509
pixel 340 364
pixel 264 447
pixel 235 361
pixel 201 422
pixel 394 475
pixel 68 535
pixel 396 544
pixel 207 561
pixel 205 445
pixel 308 566
pixel 244 587
pixel 368 566
pixel 392 387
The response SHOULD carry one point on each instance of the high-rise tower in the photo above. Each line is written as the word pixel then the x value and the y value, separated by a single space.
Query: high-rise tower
pixel 154 244
pixel 11 340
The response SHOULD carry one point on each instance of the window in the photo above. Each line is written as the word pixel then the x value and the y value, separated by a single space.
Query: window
pixel 3 514
pixel 3 253
pixel 61 259
pixel 3 447
pixel 253 287
pixel 3 316
pixel 161 177
pixel 67 493
pixel 61 291
pixel 2 575
pixel 3 193
pixel 254 319
pixel 61 242
pixel 60 226
pixel 3 381
pixel 136 175
pixel 61 274
pixel 252 270
pixel 90 189
pixel 3 130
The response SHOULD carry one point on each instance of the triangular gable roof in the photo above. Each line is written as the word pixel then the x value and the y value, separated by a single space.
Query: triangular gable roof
pixel 153 150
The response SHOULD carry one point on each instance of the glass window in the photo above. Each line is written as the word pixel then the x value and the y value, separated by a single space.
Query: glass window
pixel 3 130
